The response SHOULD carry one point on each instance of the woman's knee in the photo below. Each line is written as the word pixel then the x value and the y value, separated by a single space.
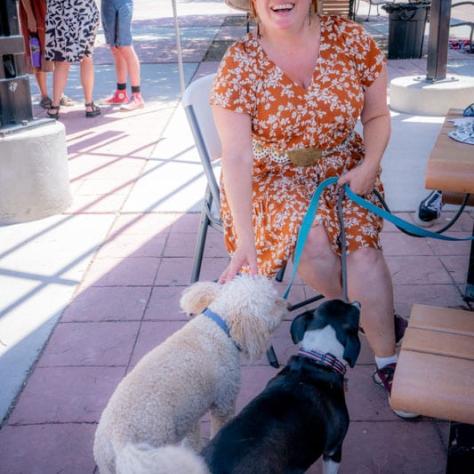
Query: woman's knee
pixel 317 244
pixel 366 257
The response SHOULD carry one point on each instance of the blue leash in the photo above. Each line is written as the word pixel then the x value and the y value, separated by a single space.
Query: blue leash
pixel 308 220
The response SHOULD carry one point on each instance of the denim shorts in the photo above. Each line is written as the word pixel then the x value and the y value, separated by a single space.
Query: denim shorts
pixel 117 21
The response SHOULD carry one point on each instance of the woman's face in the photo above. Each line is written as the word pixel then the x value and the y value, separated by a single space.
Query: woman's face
pixel 282 14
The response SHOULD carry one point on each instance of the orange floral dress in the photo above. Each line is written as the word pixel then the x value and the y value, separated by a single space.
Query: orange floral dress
pixel 285 117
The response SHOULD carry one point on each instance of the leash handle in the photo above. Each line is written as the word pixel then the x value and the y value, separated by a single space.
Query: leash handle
pixel 308 219
pixel 409 227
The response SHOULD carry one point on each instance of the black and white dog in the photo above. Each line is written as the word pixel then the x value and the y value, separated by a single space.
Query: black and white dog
pixel 302 412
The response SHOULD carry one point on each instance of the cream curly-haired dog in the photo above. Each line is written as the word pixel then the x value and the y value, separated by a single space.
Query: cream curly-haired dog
pixel 197 369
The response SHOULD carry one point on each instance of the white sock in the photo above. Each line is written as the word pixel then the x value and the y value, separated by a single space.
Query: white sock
pixel 384 361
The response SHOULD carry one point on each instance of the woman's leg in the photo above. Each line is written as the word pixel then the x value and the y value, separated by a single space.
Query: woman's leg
pixel 61 72
pixel 42 84
pixel 370 283
pixel 87 79
pixel 320 267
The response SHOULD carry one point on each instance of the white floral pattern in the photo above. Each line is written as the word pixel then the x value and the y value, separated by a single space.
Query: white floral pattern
pixel 285 116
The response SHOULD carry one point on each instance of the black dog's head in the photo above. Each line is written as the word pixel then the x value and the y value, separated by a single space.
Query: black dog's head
pixel 342 317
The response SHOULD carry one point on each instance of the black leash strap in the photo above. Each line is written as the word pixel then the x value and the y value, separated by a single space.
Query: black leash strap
pixel 342 243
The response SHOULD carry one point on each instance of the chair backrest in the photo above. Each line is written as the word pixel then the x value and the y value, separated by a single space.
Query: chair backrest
pixel 198 111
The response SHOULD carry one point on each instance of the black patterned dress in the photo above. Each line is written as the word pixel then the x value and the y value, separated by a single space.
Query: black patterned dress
pixel 71 26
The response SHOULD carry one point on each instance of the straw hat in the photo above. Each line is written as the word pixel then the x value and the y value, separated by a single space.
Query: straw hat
pixel 239 4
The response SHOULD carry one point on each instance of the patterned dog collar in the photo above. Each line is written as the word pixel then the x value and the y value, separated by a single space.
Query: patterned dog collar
pixel 327 359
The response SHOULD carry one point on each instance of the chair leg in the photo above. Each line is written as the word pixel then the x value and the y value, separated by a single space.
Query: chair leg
pixel 272 358
pixel 281 274
pixel 200 243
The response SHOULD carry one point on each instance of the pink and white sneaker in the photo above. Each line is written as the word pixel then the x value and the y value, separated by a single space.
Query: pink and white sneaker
pixel 117 98
pixel 135 102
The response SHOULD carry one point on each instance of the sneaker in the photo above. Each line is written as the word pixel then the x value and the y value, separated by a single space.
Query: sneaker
pixel 66 101
pixel 384 378
pixel 45 103
pixel 429 209
pixel 136 102
pixel 117 98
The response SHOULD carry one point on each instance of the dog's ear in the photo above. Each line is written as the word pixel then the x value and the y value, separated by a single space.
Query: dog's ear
pixel 352 346
pixel 299 326
pixel 251 332
pixel 199 296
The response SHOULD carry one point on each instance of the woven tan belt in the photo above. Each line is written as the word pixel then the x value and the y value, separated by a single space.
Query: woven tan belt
pixel 300 156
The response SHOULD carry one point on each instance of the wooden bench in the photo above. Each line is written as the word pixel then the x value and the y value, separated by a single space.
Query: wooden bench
pixel 451 170
pixel 435 375
pixel 435 371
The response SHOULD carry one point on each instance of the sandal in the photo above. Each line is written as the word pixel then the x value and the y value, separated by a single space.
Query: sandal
pixel 94 112
pixel 53 112
pixel 66 101
pixel 45 102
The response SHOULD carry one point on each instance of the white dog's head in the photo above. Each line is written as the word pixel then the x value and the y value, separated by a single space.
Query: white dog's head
pixel 250 306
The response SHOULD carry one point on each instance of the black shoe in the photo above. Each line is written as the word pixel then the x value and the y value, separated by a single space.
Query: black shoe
pixel 429 209
pixel 94 110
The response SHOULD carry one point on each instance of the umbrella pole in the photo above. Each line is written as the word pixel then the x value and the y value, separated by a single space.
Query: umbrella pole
pixel 182 84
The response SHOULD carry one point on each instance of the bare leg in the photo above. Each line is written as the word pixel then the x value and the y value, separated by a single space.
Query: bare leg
pixel 370 283
pixel 320 267
pixel 61 72
pixel 133 65
pixel 87 79
pixel 120 65
pixel 42 84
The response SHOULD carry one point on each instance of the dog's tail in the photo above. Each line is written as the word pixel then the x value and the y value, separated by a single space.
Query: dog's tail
pixel 144 459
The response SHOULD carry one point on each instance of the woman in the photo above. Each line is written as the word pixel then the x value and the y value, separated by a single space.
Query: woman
pixel 71 27
pixel 301 82
pixel 32 17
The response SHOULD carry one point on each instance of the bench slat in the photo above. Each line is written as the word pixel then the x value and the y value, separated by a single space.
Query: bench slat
pixel 443 343
pixel 434 385
pixel 442 319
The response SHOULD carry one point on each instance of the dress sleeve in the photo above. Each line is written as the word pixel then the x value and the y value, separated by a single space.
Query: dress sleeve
pixel 233 85
pixel 368 57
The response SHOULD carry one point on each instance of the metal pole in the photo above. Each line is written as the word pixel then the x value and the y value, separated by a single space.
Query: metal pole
pixel 182 83
pixel 440 16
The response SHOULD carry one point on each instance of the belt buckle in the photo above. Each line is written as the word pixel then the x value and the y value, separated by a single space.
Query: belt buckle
pixel 305 156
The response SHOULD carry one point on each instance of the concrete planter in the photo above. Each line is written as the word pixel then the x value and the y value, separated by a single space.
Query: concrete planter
pixel 34 179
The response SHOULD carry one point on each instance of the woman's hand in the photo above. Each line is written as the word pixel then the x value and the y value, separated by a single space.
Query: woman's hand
pixel 244 255
pixel 361 179
pixel 31 22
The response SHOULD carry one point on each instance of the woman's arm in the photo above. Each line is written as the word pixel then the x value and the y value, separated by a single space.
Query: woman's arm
pixel 30 17
pixel 236 138
pixel 375 119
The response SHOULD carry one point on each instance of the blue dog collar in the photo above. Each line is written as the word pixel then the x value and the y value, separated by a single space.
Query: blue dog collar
pixel 221 323
pixel 217 319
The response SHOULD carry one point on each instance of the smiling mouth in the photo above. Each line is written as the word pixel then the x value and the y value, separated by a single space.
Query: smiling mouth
pixel 284 7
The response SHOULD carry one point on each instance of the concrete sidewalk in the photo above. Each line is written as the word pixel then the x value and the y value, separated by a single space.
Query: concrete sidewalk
pixel 100 283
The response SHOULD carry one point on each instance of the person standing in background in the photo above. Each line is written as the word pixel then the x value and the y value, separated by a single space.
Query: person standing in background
pixel 32 18
pixel 71 27
pixel 117 23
